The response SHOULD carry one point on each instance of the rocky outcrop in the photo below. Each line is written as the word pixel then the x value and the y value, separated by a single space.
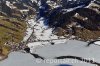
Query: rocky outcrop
pixel 81 22
pixel 17 9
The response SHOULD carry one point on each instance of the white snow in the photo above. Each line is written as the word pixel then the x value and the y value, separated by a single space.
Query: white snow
pixel 33 46
pixel 34 1
pixel 73 48
pixel 85 18
pixel 97 42
pixel 29 30
pixel 10 5
pixel 42 33
pixel 76 14
pixel 71 9
pixel 7 3
pixel 24 10
pixel 92 3
pixel 53 4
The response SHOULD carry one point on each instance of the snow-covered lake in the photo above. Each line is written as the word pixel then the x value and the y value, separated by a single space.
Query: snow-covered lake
pixel 72 47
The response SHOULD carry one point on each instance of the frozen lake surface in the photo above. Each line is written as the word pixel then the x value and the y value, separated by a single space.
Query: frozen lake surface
pixel 72 47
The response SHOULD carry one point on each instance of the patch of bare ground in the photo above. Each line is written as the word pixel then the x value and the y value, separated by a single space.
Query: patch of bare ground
pixel 86 34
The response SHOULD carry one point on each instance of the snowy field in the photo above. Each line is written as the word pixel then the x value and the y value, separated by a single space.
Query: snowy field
pixel 43 34
pixel 72 47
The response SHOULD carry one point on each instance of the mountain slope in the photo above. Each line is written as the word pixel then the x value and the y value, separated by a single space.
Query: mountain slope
pixel 81 20
pixel 13 26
